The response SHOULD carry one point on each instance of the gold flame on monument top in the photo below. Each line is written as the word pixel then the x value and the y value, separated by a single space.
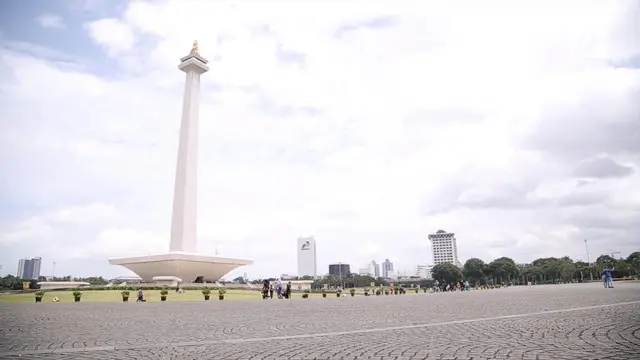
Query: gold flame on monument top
pixel 195 50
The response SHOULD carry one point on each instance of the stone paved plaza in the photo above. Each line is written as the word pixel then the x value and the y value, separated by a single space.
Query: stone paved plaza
pixel 540 322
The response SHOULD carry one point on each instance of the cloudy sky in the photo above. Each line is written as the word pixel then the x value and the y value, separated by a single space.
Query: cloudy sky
pixel 514 124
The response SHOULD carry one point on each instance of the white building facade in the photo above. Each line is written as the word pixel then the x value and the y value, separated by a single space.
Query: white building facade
pixel 372 269
pixel 424 271
pixel 307 261
pixel 444 248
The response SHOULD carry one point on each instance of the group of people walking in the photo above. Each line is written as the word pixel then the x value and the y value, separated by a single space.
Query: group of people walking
pixel 282 292
pixel 453 286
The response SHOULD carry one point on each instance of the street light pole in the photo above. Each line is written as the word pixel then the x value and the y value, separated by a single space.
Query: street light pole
pixel 586 245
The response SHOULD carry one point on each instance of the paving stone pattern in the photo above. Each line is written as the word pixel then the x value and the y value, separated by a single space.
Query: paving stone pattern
pixel 516 323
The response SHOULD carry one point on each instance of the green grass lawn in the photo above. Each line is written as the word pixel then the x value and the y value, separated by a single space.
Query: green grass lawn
pixel 149 295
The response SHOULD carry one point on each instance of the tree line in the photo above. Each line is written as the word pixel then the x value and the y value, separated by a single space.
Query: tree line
pixel 11 282
pixel 503 271
pixel 550 270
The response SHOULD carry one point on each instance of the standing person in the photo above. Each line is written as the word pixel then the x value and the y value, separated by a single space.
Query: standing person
pixel 140 296
pixel 288 291
pixel 271 291
pixel 607 278
pixel 265 289
pixel 279 288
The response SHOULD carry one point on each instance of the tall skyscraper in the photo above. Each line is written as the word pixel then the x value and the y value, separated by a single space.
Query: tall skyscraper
pixel 387 269
pixel 29 268
pixel 372 269
pixel 307 263
pixel 444 248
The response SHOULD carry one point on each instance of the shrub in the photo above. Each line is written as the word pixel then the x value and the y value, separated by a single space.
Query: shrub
pixel 77 294
pixel 206 292
pixel 125 293
pixel 164 292
pixel 222 291
pixel 39 293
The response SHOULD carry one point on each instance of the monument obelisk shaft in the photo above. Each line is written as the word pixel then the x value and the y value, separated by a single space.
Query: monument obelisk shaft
pixel 184 228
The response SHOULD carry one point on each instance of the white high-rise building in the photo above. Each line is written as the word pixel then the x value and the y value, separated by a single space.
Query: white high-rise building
pixel 307 263
pixel 444 248
pixel 372 269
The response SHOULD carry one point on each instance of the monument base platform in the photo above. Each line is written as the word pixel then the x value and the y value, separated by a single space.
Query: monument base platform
pixel 190 267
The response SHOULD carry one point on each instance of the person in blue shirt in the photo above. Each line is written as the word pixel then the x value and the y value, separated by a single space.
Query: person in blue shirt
pixel 606 277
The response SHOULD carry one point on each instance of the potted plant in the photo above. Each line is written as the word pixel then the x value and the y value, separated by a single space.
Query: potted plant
pixel 338 293
pixel 206 293
pixel 324 293
pixel 417 290
pixel 221 293
pixel 125 296
pixel 366 292
pixel 425 290
pixel 163 294
pixel 76 296
pixel 395 290
pixel 353 292
pixel 305 294
pixel 378 292
pixel 39 296
pixel 386 291
pixel 402 290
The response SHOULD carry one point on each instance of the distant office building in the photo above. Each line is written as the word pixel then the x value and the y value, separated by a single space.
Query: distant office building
pixel 372 269
pixel 387 269
pixel 424 271
pixel 29 268
pixel 339 269
pixel 307 265
pixel 444 248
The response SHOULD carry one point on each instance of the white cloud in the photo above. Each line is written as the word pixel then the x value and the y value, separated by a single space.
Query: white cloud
pixel 393 122
pixel 51 21
pixel 115 36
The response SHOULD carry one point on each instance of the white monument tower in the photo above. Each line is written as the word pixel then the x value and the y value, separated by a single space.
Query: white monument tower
pixel 182 262
pixel 185 197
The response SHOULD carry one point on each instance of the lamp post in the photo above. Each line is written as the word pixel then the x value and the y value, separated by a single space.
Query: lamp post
pixel 586 245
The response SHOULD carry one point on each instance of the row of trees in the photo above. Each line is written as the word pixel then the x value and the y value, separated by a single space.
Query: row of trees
pixel 544 270
pixel 15 283
pixel 500 271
